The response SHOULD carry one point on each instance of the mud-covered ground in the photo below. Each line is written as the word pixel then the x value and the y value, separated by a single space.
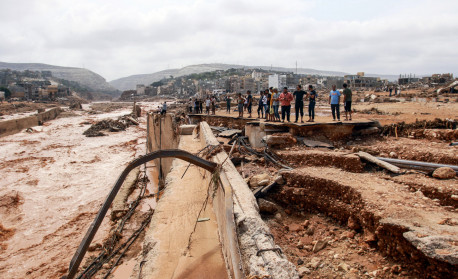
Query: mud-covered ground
pixel 345 255
pixel 54 182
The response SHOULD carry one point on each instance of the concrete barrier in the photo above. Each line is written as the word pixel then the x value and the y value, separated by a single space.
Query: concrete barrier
pixel 162 133
pixel 250 231
pixel 13 126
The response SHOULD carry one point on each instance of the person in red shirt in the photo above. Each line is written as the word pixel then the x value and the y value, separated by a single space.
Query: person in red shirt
pixel 285 101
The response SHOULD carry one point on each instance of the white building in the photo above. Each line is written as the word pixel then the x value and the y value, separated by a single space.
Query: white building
pixel 141 89
pixel 256 75
pixel 277 81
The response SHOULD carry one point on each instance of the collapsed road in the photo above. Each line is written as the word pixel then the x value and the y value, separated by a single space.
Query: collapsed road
pixel 322 213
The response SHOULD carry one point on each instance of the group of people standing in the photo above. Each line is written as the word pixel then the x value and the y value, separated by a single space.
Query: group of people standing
pixel 271 101
pixel 197 104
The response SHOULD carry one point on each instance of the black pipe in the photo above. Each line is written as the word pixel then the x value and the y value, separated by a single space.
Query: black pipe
pixel 176 153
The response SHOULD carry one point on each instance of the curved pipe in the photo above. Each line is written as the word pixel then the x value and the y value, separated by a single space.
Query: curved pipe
pixel 166 153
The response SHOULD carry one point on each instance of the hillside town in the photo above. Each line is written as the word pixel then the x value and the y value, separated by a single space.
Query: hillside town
pixel 255 80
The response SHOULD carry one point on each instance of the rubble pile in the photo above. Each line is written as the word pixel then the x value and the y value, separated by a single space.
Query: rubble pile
pixel 111 125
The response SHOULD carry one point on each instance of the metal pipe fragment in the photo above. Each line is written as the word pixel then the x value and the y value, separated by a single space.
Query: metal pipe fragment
pixel 416 165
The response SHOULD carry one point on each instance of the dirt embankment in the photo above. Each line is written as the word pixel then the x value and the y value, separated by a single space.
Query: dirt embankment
pixel 403 225
pixel 22 107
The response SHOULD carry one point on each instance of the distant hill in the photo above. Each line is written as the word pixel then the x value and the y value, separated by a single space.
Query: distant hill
pixel 84 77
pixel 130 82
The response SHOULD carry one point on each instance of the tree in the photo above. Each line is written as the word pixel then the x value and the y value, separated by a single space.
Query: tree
pixel 157 83
pixel 7 92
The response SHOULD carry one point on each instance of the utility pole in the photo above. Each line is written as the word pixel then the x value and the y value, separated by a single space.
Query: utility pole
pixel 296 67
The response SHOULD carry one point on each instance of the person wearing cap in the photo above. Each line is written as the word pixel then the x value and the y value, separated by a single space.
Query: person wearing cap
pixel 285 100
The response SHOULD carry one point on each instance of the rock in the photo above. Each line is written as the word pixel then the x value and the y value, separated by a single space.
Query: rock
pixel 369 237
pixel 294 227
pixel 255 179
pixel 299 245
pixel 396 269
pixel 314 262
pixel 454 197
pixel 353 223
pixel 306 224
pixel 76 105
pixel 266 206
pixel 444 173
pixel 300 262
pixel 279 180
pixel 278 216
pixel 281 140
pixel 393 154
pixel 303 271
pixel 310 231
pixel 264 182
pixel 95 246
pixel 348 234
pixel 343 267
pixel 319 245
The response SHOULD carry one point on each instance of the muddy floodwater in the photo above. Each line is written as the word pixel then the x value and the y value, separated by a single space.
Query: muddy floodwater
pixel 54 181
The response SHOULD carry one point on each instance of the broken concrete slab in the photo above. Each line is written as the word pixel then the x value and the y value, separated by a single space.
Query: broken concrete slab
pixel 187 129
pixel 314 143
pixel 230 133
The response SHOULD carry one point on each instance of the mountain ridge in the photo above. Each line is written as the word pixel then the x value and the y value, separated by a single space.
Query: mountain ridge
pixel 130 82
pixel 84 77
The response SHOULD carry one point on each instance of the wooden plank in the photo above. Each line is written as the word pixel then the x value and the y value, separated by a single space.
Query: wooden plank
pixel 380 163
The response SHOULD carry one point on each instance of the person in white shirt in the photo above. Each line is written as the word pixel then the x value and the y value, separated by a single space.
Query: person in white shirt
pixel 207 105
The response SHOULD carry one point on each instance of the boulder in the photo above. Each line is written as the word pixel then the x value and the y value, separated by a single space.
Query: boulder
pixel 281 140
pixel 255 179
pixel 353 223
pixel 319 245
pixel 266 206
pixel 303 271
pixel 444 173
pixel 279 180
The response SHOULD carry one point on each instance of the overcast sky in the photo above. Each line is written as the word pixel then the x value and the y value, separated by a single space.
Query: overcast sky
pixel 120 38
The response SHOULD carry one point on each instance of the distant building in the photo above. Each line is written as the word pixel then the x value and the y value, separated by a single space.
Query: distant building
pixel 277 81
pixel 438 78
pixel 141 89
pixel 256 75
pixel 361 81
pixel 248 84
pixel 17 91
